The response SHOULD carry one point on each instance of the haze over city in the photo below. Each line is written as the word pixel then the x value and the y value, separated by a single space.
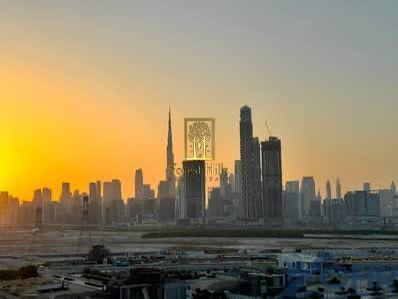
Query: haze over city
pixel 85 88
pixel 198 149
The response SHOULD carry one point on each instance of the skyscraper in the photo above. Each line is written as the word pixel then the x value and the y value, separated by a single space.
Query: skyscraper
pixel 113 203
pixel 292 201
pixel 393 188
pixel 92 191
pixel 194 188
pixel 328 189
pixel 248 197
pixel 180 204
pixel 139 184
pixel 95 202
pixel 170 174
pixel 166 203
pixel 99 189
pixel 46 195
pixel 307 194
pixel 66 196
pixel 257 179
pixel 272 178
pixel 367 187
pixel 338 189
pixel 238 177
pixel 223 181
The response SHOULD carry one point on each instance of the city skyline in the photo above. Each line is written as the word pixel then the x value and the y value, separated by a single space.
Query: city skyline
pixel 129 183
pixel 171 174
pixel 78 91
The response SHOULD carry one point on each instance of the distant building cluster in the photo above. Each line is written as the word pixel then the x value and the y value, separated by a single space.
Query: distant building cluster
pixel 252 194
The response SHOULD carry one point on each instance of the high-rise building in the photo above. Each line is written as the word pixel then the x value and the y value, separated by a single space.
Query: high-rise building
pixel 292 201
pixel 112 191
pixel 272 178
pixel 328 190
pixel 92 191
pixel 387 202
pixel 315 209
pixel 37 198
pixel 180 204
pixel 147 191
pixel 194 188
pixel 249 199
pixel 238 178
pixel 166 202
pixel 139 184
pixel 258 195
pixel 46 195
pixel 65 204
pixel 99 189
pixel 333 210
pixel 113 203
pixel 362 204
pixel 393 188
pixel 65 191
pixel 170 172
pixel 307 194
pixel 95 202
pixel 292 187
pixel 367 187
pixel 224 182
pixel 66 195
pixel 338 189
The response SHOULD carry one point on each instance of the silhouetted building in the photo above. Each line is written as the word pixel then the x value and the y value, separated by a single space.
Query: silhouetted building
pixel 292 201
pixel 194 188
pixel 333 211
pixel 95 202
pixel 307 194
pixel 272 178
pixel 166 202
pixel 215 207
pixel 362 204
pixel 147 191
pixel 393 188
pixel 328 190
pixel 249 198
pixel 224 181
pixel 180 205
pixel 257 179
pixel 315 209
pixel 237 187
pixel 170 173
pixel 387 202
pixel 9 206
pixel 26 213
pixel 112 191
pixel 37 197
pixel 113 203
pixel 149 206
pixel 367 187
pixel 77 207
pixel 139 183
pixel 134 209
pixel 66 196
pixel 46 195
pixel 338 189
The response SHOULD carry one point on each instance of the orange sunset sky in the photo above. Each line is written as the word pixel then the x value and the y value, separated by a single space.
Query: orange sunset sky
pixel 85 87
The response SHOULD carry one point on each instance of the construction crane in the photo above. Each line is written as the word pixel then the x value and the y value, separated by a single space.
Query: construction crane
pixel 268 129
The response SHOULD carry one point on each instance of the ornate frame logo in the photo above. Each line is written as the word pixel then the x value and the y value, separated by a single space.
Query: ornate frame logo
pixel 199 136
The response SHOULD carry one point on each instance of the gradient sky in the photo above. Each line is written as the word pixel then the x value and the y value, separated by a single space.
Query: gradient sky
pixel 85 86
